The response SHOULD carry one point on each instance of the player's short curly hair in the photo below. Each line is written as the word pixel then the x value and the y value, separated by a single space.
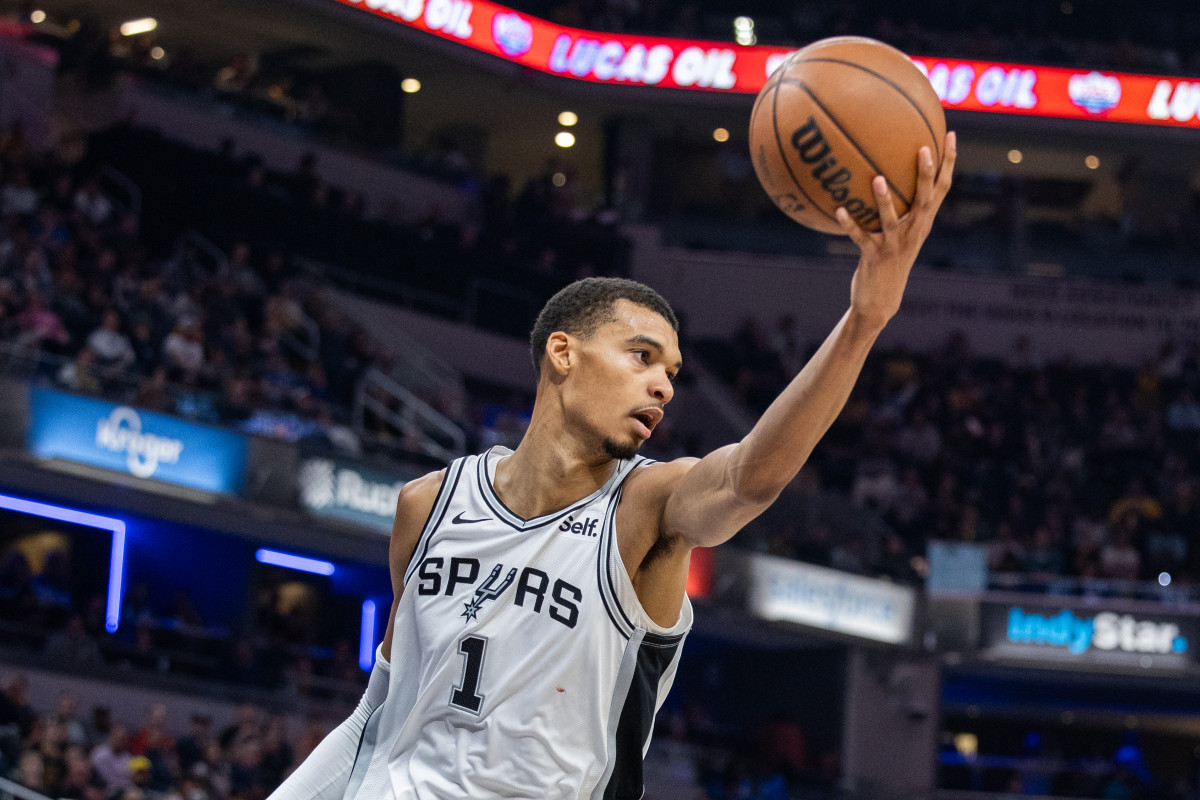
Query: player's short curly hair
pixel 583 306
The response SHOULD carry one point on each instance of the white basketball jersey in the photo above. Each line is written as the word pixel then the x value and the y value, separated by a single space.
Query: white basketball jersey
pixel 522 663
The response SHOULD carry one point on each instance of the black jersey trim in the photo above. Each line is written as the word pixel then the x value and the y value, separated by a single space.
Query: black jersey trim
pixel 606 561
pixel 607 532
pixel 512 519
pixel 637 720
pixel 620 693
pixel 608 579
pixel 444 496
pixel 652 639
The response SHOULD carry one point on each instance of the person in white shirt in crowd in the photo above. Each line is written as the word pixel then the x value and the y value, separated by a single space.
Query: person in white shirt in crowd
pixel 111 346
pixel 17 196
pixel 184 347
pixel 91 203
pixel 111 759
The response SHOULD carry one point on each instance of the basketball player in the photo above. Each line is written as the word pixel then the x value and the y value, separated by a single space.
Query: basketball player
pixel 539 594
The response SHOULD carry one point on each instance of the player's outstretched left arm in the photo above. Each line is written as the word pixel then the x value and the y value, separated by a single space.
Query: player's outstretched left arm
pixel 727 488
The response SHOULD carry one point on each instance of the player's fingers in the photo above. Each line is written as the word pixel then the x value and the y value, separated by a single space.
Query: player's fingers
pixel 852 229
pixel 883 201
pixel 946 173
pixel 925 178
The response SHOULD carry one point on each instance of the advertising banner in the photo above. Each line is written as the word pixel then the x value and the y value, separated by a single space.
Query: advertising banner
pixel 1061 92
pixel 792 591
pixel 350 492
pixel 631 60
pixel 140 443
pixel 1070 635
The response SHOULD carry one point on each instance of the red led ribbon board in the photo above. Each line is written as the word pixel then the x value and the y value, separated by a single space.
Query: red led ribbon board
pixel 1058 92
pixel 720 67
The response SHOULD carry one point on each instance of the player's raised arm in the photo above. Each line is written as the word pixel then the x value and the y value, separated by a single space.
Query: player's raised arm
pixel 732 485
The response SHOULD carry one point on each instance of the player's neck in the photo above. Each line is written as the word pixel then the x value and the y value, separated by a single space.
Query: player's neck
pixel 547 472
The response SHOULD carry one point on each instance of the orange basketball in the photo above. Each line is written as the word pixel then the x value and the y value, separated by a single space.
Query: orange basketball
pixel 832 117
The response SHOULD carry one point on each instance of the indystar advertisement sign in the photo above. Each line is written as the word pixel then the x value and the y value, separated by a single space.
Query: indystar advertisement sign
pixel 1098 637
pixel 791 591
pixel 133 441
pixel 350 492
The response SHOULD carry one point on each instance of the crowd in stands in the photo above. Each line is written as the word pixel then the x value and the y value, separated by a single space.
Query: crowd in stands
pixel 527 241
pixel 91 749
pixel 240 342
pixel 1059 469
pixel 103 753
pixel 95 292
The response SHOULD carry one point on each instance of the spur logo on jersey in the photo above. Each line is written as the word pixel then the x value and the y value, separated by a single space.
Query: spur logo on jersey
pixel 534 590
pixel 488 591
pixel 585 527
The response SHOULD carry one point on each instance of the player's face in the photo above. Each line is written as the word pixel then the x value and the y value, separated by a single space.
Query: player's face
pixel 624 378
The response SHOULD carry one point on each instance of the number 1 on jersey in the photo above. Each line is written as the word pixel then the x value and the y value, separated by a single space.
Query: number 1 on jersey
pixel 466 695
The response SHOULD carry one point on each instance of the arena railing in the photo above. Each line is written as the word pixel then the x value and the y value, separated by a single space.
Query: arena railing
pixel 11 789
pixel 159 669
pixel 967 794
pixel 190 116
pixel 121 190
pixel 402 412
pixel 415 366
pixel 193 245
pixel 1162 592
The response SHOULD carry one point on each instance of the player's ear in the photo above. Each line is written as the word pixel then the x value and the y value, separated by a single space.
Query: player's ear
pixel 560 354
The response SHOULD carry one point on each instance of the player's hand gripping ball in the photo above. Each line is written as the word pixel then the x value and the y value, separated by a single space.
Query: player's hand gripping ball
pixel 833 116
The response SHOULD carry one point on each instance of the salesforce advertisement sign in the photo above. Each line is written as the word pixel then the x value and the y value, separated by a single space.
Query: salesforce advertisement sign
pixel 140 443
pixel 1096 637
pixel 792 591
pixel 350 492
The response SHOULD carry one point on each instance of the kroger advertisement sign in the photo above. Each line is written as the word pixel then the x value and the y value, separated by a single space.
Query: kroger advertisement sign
pixel 141 443
pixel 781 589
pixel 350 492
pixel 1094 636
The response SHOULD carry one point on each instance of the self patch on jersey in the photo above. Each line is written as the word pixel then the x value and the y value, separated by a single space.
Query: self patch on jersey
pixel 585 527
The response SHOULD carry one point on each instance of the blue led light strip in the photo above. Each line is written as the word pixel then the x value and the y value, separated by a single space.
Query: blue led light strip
pixel 366 638
pixel 292 561
pixel 116 566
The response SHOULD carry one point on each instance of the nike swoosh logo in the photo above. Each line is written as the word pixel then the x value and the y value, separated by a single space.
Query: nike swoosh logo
pixel 460 521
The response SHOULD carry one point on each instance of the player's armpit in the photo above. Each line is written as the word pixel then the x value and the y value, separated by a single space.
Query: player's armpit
pixel 413 507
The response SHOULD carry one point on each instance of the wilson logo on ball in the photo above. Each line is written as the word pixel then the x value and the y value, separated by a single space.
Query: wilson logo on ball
pixel 832 117
pixel 813 148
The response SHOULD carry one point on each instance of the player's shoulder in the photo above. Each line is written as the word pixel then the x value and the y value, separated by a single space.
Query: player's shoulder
pixel 413 508
pixel 420 494
pixel 657 479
